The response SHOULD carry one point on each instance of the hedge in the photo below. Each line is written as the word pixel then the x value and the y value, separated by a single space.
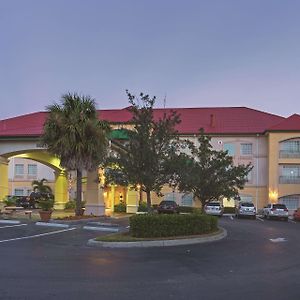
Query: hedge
pixel 188 209
pixel 229 210
pixel 165 225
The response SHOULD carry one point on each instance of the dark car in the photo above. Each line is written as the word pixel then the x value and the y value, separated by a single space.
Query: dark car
pixel 168 206
pixel 25 202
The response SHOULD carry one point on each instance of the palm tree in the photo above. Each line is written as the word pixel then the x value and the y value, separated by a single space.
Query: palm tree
pixel 40 187
pixel 73 132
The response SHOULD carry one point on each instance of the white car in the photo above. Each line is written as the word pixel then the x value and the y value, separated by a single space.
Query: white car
pixel 245 209
pixel 277 210
pixel 214 208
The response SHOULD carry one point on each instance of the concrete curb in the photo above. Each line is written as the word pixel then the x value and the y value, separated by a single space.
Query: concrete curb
pixel 160 243
pixel 106 229
pixel 52 224
pixel 9 222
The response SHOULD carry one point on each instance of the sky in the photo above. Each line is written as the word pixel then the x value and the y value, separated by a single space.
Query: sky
pixel 205 53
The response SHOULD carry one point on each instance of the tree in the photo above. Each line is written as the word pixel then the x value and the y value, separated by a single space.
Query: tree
pixel 40 187
pixel 73 132
pixel 209 174
pixel 145 160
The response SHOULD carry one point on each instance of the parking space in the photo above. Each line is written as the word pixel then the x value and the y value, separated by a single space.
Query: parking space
pixel 57 233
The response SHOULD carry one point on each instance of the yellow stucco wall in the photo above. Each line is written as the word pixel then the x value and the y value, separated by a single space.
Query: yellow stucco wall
pixel 275 189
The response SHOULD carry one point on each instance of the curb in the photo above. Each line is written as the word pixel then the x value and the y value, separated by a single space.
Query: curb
pixel 160 243
pixel 52 224
pixel 9 222
pixel 106 229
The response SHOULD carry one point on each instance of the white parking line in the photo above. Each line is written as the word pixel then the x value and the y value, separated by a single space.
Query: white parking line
pixel 292 221
pixel 13 226
pixel 36 235
pixel 258 218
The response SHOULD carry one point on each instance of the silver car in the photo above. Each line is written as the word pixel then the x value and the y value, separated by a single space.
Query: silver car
pixel 245 209
pixel 277 210
pixel 214 208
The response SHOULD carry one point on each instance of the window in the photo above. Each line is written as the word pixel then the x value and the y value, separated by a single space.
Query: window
pixel 249 176
pixel 187 199
pixel 19 192
pixel 290 149
pixel 246 198
pixel 32 170
pixel 19 169
pixel 289 174
pixel 230 148
pixel 246 149
pixel 291 202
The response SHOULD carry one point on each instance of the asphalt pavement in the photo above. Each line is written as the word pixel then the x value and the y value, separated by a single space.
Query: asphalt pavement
pixel 258 259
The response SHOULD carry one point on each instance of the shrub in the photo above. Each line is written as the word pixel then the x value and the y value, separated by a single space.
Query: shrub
pixel 153 225
pixel 121 207
pixel 188 209
pixel 229 210
pixel 143 207
pixel 70 204
pixel 10 200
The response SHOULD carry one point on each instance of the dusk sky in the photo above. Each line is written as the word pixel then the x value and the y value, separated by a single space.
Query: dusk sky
pixel 195 53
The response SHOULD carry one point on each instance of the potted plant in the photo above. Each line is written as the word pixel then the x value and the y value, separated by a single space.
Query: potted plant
pixel 46 204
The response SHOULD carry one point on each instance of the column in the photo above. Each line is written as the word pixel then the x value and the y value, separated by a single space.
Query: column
pixel 3 177
pixel 112 200
pixel 132 201
pixel 61 194
pixel 94 195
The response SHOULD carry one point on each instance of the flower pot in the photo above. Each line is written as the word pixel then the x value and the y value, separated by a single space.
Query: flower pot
pixel 45 215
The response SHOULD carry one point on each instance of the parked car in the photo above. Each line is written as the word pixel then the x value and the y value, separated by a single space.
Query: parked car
pixel 245 209
pixel 296 214
pixel 277 210
pixel 168 206
pixel 26 202
pixel 214 208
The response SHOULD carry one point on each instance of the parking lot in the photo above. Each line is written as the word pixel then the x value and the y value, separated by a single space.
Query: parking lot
pixel 258 258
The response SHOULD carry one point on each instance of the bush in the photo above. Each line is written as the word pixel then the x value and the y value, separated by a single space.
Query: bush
pixel 120 208
pixel 229 210
pixel 10 200
pixel 188 209
pixel 143 207
pixel 153 225
pixel 72 204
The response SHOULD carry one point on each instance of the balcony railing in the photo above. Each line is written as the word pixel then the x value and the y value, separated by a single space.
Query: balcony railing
pixel 289 154
pixel 289 179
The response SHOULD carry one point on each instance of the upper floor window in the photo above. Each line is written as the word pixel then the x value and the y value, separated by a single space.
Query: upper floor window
pixel 19 169
pixel 32 170
pixel 290 148
pixel 246 149
pixel 230 148
pixel 289 174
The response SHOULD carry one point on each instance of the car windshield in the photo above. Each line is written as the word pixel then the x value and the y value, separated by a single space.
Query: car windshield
pixel 247 204
pixel 213 204
pixel 167 203
pixel 279 206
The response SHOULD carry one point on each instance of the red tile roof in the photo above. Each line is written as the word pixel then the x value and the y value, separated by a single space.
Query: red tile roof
pixel 290 124
pixel 222 120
